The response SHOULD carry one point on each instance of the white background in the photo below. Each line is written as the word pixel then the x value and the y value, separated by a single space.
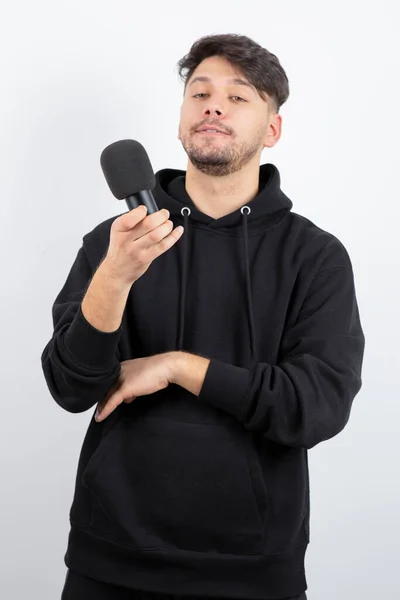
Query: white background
pixel 78 75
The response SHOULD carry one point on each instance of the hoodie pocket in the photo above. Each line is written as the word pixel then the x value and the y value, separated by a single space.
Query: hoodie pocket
pixel 173 485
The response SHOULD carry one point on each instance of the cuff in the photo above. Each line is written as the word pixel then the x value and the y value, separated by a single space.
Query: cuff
pixel 88 345
pixel 226 386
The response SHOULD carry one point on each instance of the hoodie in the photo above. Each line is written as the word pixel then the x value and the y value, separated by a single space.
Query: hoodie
pixel 209 495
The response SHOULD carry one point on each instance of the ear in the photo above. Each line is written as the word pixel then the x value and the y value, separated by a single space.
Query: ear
pixel 274 131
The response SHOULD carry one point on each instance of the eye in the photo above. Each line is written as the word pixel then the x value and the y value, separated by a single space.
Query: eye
pixel 203 94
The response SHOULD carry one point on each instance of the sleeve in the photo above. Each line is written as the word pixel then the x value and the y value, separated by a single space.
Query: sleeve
pixel 80 363
pixel 307 397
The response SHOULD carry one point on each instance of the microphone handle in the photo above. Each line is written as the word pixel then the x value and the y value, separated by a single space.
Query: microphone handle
pixel 144 197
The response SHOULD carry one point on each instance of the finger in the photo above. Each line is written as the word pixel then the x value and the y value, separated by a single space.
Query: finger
pixel 112 403
pixel 129 220
pixel 154 236
pixel 116 386
pixel 110 392
pixel 139 221
pixel 163 245
pixel 151 222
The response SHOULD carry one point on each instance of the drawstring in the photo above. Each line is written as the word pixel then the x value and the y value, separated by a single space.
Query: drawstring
pixel 245 210
pixel 186 213
pixel 248 283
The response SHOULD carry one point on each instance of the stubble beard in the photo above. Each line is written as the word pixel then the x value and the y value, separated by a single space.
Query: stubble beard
pixel 220 161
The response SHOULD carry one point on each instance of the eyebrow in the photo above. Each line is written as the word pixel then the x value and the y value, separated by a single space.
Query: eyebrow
pixel 236 81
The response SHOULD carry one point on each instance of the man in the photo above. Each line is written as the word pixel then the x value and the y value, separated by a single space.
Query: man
pixel 215 359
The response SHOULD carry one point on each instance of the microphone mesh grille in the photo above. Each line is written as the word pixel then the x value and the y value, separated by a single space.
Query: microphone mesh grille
pixel 127 168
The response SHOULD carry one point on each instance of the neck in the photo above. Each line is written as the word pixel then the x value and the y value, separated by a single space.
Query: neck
pixel 220 196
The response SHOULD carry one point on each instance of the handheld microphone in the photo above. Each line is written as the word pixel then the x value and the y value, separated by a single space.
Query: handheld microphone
pixel 129 174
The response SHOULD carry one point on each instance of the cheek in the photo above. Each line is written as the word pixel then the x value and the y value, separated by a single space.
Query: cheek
pixel 184 128
pixel 189 117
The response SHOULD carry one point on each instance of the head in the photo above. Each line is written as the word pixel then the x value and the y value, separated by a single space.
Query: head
pixel 233 84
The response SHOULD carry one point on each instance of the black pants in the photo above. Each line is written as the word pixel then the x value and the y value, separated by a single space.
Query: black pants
pixel 78 587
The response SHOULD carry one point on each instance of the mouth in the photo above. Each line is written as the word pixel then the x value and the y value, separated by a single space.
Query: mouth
pixel 211 131
pixel 212 134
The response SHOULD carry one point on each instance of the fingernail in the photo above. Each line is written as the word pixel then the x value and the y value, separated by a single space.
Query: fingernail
pixel 97 415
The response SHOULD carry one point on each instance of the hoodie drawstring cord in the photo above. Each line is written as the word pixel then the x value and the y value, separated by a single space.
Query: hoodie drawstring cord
pixel 246 210
pixel 186 213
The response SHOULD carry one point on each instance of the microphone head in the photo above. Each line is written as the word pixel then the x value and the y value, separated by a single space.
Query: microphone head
pixel 127 168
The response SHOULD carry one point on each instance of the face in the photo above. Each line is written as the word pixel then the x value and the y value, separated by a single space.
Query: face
pixel 218 96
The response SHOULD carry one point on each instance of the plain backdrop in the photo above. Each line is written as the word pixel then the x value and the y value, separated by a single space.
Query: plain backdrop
pixel 78 75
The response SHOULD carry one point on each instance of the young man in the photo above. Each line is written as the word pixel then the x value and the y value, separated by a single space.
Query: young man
pixel 215 358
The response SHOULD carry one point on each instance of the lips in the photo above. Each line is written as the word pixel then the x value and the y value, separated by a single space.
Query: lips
pixel 217 129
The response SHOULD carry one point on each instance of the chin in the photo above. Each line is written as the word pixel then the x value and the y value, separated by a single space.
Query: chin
pixel 211 159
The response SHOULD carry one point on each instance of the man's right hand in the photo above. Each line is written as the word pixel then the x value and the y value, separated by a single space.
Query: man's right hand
pixel 136 239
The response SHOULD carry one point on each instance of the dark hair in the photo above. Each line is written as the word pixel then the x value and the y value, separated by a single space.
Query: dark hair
pixel 261 68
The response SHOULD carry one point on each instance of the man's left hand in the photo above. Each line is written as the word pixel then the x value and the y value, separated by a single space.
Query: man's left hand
pixel 138 377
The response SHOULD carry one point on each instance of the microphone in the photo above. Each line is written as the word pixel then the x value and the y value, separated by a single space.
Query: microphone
pixel 129 174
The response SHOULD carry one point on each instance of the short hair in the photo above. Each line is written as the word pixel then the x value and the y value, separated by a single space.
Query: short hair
pixel 260 67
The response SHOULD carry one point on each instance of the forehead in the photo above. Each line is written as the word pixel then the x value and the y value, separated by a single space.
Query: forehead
pixel 217 70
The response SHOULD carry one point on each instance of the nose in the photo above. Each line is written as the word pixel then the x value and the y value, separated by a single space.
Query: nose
pixel 214 106
pixel 213 111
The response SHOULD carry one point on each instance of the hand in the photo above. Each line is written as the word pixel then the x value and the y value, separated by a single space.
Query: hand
pixel 138 377
pixel 136 240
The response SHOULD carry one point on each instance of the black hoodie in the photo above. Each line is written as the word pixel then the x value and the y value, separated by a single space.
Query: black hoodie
pixel 209 495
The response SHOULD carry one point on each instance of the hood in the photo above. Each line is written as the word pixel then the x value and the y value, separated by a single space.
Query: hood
pixel 269 207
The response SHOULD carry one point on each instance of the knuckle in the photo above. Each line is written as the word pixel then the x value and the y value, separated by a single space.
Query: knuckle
pixel 139 260
pixel 164 244
pixel 154 235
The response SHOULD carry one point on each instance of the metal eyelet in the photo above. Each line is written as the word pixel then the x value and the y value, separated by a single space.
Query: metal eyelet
pixel 243 209
pixel 188 211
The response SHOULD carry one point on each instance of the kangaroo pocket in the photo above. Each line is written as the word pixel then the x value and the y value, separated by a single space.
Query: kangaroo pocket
pixel 172 485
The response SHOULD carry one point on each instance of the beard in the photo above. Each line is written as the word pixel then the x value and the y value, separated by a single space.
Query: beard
pixel 219 161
